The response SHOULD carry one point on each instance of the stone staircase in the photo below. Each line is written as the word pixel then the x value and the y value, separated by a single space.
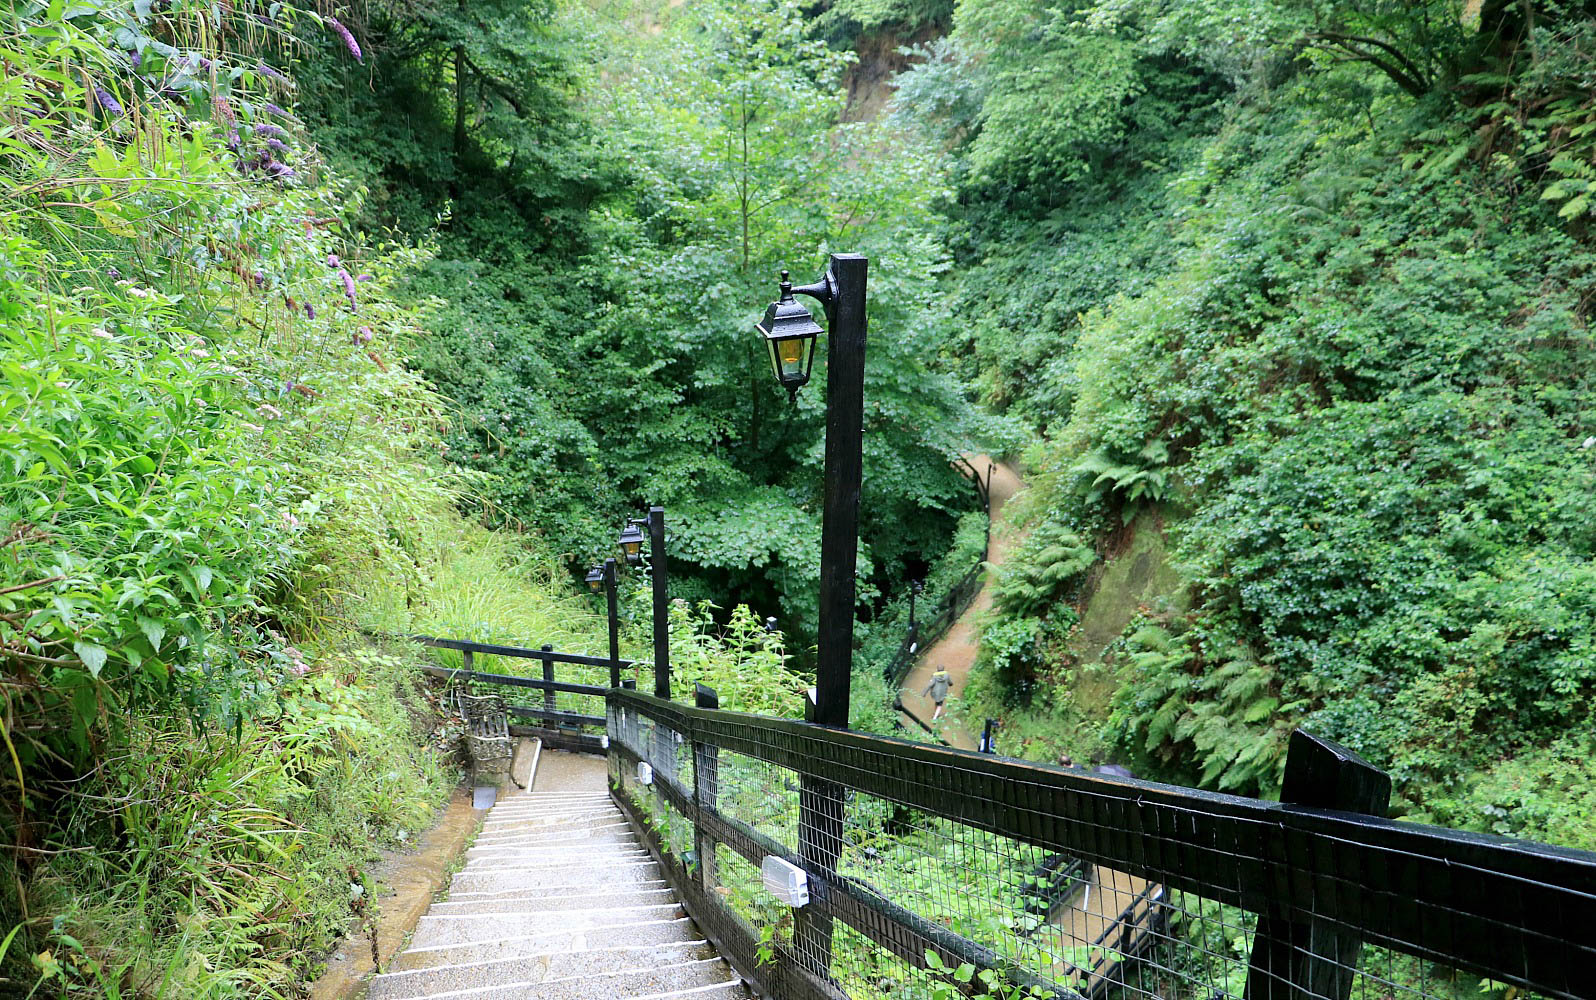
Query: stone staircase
pixel 558 900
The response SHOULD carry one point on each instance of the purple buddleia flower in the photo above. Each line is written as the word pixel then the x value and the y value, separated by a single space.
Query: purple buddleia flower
pixel 113 273
pixel 232 140
pixel 333 260
pixel 363 336
pixel 109 103
pixel 274 109
pixel 349 288
pixel 349 39
pixel 266 128
pixel 276 145
pixel 310 311
pixel 266 70
pixel 137 58
pixel 364 277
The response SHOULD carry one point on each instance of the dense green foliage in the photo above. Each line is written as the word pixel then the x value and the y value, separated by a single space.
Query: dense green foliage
pixel 1298 290
pixel 1333 328
pixel 215 466
pixel 616 211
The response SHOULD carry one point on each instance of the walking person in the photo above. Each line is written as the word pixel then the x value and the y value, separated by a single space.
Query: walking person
pixel 937 691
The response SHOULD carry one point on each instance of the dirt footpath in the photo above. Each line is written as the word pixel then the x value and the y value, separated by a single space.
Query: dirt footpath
pixel 956 650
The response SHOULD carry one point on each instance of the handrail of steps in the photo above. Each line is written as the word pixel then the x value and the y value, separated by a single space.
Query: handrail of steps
pixel 910 851
pixel 917 856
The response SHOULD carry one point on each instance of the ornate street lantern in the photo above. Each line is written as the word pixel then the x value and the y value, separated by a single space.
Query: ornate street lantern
pixel 595 579
pixel 631 543
pixel 789 331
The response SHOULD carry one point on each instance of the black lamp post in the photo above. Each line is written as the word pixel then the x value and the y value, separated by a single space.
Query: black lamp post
pixel 602 578
pixel 789 332
pixel 631 545
pixel 915 588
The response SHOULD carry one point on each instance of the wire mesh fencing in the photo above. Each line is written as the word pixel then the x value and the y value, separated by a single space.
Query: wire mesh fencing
pixel 935 872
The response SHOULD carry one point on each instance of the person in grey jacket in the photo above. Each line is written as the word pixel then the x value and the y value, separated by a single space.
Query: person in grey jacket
pixel 937 690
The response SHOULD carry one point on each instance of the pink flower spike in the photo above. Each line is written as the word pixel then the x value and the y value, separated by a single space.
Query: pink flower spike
pixel 349 39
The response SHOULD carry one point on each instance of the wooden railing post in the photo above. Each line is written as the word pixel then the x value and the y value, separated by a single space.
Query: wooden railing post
pixel 1317 959
pixel 614 622
pixel 548 675
pixel 706 789
pixel 658 568
pixel 819 846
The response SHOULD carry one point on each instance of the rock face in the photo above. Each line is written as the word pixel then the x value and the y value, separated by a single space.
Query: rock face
pixel 558 900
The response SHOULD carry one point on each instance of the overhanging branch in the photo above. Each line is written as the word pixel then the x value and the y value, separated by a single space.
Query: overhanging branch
pixel 1394 64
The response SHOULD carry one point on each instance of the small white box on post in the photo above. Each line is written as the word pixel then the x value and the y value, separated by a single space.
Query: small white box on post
pixel 787 882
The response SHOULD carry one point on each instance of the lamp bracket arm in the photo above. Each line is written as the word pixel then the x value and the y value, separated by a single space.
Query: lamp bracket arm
pixel 824 291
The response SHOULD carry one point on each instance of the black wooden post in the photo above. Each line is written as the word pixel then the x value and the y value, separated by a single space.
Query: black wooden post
pixel 662 611
pixel 468 660
pixel 548 677
pixel 1315 960
pixel 615 623
pixel 839 530
pixel 706 789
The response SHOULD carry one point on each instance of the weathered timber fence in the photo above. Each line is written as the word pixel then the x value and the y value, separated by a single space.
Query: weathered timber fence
pixel 1147 890
pixel 573 722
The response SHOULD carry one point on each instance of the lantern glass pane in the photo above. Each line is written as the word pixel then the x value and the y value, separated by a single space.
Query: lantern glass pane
pixel 789 358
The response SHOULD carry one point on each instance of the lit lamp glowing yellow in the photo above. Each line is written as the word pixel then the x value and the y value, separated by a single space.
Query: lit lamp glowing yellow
pixel 631 544
pixel 789 331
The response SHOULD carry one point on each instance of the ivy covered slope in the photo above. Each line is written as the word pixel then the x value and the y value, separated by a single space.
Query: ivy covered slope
pixel 1305 320
pixel 613 189
pixel 216 468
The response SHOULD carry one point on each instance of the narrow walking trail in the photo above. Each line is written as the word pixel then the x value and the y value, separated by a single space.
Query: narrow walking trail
pixel 956 650
pixel 559 900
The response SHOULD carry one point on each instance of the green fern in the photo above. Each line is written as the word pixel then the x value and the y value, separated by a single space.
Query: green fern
pixel 1045 571
pixel 1229 719
pixel 1143 476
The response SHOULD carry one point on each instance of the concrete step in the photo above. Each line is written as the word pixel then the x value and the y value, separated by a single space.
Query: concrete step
pixel 542 817
pixel 605 843
pixel 598 833
pixel 506 877
pixel 544 854
pixel 534 968
pixel 633 933
pixel 438 930
pixel 539 902
pixel 546 824
pixel 536 800
pixel 557 894
pixel 524 807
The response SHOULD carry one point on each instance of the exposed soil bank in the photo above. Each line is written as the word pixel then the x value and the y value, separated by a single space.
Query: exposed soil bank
pixel 411 878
